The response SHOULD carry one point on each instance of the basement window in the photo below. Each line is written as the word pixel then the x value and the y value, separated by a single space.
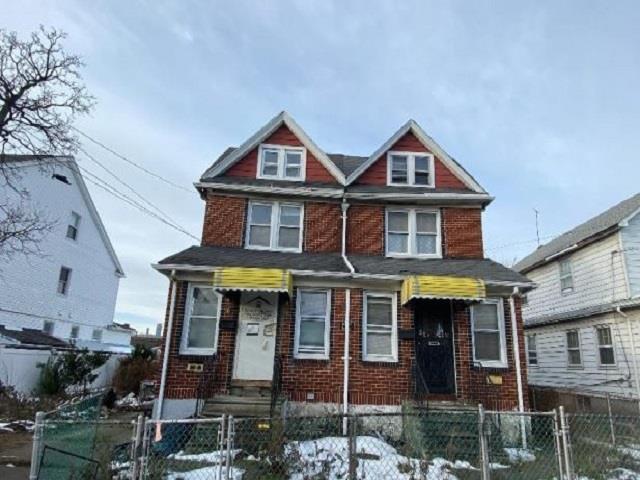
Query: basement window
pixel 279 162
pixel 313 316
pixel 202 315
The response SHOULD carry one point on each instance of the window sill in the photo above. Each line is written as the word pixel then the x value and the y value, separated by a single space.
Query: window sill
pixel 490 365
pixel 575 367
pixel 612 366
pixel 269 249
pixel 409 185
pixel 388 360
pixel 202 352
pixel 302 356
pixel 282 179
pixel 408 255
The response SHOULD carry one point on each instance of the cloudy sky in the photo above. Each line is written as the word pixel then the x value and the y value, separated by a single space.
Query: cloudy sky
pixel 539 100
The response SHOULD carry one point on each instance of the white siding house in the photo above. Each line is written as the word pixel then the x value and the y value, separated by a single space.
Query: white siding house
pixel 69 289
pixel 582 320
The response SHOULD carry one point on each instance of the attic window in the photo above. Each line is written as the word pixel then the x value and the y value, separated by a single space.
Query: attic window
pixel 281 163
pixel 410 169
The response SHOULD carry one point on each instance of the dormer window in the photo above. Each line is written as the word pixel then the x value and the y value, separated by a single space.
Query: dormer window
pixel 281 163
pixel 410 169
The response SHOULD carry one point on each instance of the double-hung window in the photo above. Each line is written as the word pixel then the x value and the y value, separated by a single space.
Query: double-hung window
pixel 202 314
pixel 379 343
pixel 413 232
pixel 489 344
pixel 64 278
pixel 410 169
pixel 313 314
pixel 281 163
pixel 566 276
pixel 74 224
pixel 274 226
pixel 605 346
pixel 532 350
pixel 574 355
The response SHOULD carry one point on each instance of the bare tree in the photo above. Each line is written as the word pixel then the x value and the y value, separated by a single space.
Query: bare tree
pixel 41 94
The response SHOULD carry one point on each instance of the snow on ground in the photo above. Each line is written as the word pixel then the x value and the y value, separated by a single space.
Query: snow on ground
pixel 622 474
pixel 517 455
pixel 210 457
pixel 632 450
pixel 206 472
pixel 17 426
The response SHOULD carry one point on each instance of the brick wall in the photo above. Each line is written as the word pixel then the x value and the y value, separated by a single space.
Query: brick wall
pixel 365 229
pixel 376 174
pixel 248 166
pixel 462 233
pixel 322 227
pixel 224 221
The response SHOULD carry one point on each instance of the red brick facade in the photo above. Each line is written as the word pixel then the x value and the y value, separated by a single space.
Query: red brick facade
pixel 322 227
pixel 462 233
pixel 224 221
pixel 365 230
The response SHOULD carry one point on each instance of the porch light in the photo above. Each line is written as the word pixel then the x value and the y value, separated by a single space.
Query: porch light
pixel 442 287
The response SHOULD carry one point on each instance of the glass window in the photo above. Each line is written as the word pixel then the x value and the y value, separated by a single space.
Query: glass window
pixel 313 318
pixel 532 350
pixel 72 228
pixel 574 357
pixel 407 168
pixel 566 276
pixel 200 330
pixel 488 333
pixel 280 162
pixel 413 232
pixel 605 346
pixel 275 226
pixel 96 335
pixel 379 330
pixel 75 332
pixel 63 280
pixel 48 327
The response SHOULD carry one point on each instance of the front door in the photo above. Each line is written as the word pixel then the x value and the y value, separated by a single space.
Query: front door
pixel 256 336
pixel 434 347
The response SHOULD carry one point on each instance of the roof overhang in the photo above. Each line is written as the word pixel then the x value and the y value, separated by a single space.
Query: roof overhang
pixel 424 197
pixel 322 192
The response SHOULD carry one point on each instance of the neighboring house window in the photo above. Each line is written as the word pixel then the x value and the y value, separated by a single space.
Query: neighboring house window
pixel 489 344
pixel 284 163
pixel 274 226
pixel 566 276
pixel 605 346
pixel 75 332
pixel 48 327
pixel 313 317
pixel 96 335
pixel 202 314
pixel 63 280
pixel 574 356
pixel 413 233
pixel 525 300
pixel 379 330
pixel 411 169
pixel 532 350
pixel 72 228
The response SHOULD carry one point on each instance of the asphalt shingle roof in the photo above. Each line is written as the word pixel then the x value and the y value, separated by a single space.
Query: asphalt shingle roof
pixel 583 232
pixel 484 269
pixel 31 336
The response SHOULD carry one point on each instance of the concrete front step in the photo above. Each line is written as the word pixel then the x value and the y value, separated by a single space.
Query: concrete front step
pixel 238 406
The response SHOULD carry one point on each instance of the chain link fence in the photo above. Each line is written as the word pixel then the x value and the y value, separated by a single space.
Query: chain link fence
pixel 413 445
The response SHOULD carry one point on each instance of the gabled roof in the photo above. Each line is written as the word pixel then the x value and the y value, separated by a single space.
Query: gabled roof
pixel 429 143
pixel 73 166
pixel 283 118
pixel 585 233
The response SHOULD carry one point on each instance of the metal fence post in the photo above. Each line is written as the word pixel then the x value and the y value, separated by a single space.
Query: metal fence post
pixel 230 432
pixel 566 444
pixel 611 425
pixel 137 441
pixel 36 446
pixel 353 447
pixel 484 451
pixel 558 445
pixel 221 435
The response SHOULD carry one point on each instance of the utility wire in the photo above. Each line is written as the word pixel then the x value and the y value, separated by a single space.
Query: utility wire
pixel 131 162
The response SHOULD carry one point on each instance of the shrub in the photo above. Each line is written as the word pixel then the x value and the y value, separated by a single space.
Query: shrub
pixel 135 368
pixel 72 368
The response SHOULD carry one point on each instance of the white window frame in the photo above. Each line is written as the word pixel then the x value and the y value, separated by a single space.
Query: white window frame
pixel 562 276
pixel 186 324
pixel 74 223
pixel 600 346
pixel 393 358
pixel 578 348
pixel 411 169
pixel 281 149
pixel 67 282
pixel 502 363
pixel 274 226
pixel 530 350
pixel 327 325
pixel 413 236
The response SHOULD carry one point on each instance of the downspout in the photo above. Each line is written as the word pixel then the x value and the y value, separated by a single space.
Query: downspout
pixel 167 343
pixel 347 324
pixel 633 350
pixel 516 358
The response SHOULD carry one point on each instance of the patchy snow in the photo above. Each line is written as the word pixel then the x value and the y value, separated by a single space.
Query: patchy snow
pixel 632 450
pixel 517 455
pixel 623 474
pixel 17 426
pixel 211 457
pixel 207 472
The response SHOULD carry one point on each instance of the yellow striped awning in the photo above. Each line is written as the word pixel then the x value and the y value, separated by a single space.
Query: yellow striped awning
pixel 253 279
pixel 432 286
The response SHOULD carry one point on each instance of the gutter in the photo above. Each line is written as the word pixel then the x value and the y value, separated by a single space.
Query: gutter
pixel 516 357
pixel 347 324
pixel 167 343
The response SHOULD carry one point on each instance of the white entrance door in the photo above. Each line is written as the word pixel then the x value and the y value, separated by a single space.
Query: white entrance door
pixel 256 337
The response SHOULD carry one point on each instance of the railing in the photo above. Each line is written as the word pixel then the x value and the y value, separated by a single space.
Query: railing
pixel 205 383
pixel 276 383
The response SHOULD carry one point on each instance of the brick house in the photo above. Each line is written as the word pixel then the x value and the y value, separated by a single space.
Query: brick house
pixel 339 281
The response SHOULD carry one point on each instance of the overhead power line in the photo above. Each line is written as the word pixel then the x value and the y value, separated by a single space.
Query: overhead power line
pixel 131 162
